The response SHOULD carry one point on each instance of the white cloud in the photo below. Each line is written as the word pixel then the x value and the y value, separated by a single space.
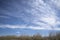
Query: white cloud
pixel 43 28
pixel 42 14
pixel 12 26
pixel 28 27
pixel 57 3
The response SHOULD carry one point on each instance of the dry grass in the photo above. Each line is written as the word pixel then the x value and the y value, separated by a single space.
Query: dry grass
pixel 34 37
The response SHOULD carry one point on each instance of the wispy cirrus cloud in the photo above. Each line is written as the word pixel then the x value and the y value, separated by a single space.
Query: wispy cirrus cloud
pixel 37 14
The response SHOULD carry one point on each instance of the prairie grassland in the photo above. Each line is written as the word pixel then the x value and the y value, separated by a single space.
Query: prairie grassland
pixel 34 37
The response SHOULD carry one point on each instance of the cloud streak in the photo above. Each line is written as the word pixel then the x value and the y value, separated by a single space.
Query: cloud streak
pixel 29 27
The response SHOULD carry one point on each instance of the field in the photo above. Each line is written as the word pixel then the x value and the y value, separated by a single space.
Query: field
pixel 34 37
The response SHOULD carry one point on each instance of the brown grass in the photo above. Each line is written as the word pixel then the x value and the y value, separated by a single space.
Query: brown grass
pixel 34 37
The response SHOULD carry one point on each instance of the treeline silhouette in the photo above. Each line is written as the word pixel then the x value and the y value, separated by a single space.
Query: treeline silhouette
pixel 52 36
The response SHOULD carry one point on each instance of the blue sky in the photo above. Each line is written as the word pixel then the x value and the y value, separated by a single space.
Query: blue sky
pixel 33 16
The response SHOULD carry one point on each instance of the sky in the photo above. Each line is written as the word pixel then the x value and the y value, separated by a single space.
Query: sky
pixel 18 17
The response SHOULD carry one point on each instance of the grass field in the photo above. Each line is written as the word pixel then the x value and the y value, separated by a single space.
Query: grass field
pixel 34 37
